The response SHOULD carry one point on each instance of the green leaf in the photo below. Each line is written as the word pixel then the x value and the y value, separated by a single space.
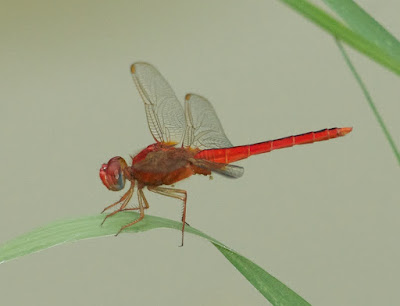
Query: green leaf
pixel 371 103
pixel 368 37
pixel 272 289
pixel 362 23
pixel 340 31
pixel 89 227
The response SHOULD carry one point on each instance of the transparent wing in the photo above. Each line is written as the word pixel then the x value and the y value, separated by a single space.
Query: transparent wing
pixel 203 128
pixel 231 171
pixel 165 115
pixel 228 170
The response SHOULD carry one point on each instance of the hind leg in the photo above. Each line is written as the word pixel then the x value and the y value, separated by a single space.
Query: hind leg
pixel 177 194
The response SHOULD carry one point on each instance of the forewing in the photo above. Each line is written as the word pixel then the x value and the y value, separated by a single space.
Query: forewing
pixel 203 128
pixel 165 115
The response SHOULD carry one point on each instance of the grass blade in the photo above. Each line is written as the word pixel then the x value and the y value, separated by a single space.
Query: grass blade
pixel 362 23
pixel 343 33
pixel 89 227
pixel 272 289
pixel 370 102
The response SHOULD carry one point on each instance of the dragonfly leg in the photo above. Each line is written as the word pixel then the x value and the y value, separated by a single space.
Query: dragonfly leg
pixel 177 194
pixel 141 199
pixel 125 200
pixel 146 204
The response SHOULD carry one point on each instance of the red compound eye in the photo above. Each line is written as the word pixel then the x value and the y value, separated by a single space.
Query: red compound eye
pixel 112 173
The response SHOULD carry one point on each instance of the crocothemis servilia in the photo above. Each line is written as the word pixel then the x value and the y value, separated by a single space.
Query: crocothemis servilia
pixel 188 141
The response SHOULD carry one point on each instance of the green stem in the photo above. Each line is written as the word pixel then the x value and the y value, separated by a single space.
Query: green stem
pixel 370 101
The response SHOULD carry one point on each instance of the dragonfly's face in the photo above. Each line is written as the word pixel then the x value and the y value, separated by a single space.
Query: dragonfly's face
pixel 112 174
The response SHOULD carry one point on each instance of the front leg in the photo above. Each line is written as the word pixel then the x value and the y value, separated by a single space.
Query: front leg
pixel 124 199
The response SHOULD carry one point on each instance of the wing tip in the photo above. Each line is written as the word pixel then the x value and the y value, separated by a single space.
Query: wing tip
pixel 133 69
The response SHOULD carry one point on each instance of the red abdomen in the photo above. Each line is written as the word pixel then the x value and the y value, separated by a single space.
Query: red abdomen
pixel 230 155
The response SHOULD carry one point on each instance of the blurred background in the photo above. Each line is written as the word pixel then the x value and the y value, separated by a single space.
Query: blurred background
pixel 322 218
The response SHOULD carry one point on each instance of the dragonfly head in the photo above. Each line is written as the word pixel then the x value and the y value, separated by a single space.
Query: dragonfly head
pixel 112 174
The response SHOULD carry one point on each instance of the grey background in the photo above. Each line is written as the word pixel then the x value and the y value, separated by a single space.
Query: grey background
pixel 321 218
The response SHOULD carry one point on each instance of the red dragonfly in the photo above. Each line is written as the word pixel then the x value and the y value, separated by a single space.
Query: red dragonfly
pixel 189 141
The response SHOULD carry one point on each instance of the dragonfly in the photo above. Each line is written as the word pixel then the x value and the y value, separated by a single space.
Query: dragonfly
pixel 188 140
